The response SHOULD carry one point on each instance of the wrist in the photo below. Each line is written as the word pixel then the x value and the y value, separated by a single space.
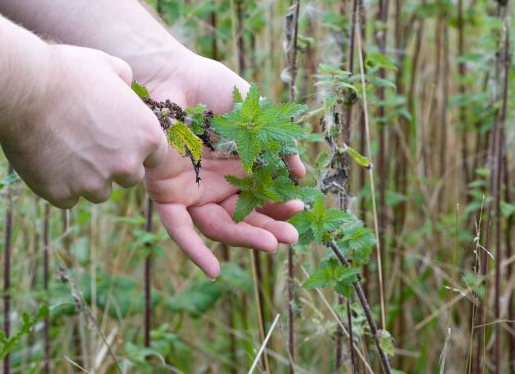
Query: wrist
pixel 27 61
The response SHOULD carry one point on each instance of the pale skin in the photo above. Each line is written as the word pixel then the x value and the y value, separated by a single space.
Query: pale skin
pixel 125 29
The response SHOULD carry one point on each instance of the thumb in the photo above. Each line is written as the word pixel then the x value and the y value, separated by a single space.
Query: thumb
pixel 121 68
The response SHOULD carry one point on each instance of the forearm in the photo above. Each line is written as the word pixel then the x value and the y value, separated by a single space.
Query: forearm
pixel 123 28
pixel 24 66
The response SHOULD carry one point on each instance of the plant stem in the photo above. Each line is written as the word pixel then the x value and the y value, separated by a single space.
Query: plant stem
pixel 372 186
pixel 257 280
pixel 291 299
pixel 229 313
pixel 402 136
pixel 462 72
pixel 7 269
pixel 498 214
pixel 214 46
pixel 385 364
pixel 291 323
pixel 240 41
pixel 293 58
pixel 362 150
pixel 159 7
pixel 509 270
pixel 353 361
pixel 343 196
pixel 46 243
pixel 382 18
pixel 148 275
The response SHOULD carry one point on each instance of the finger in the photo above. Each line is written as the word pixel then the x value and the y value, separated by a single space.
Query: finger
pixel 282 211
pixel 158 151
pixel 98 193
pixel 296 166
pixel 215 222
pixel 58 194
pixel 282 231
pixel 179 225
pixel 129 174
pixel 122 69
pixel 64 203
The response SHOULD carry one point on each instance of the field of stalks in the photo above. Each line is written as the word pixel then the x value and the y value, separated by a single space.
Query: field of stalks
pixel 420 94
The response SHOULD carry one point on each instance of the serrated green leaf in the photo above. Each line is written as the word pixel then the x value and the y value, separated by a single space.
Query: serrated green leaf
pixel 234 277
pixel 318 206
pixel 331 273
pixel 357 241
pixel 386 343
pixel 382 82
pixel 360 159
pixel 183 139
pixel 507 209
pixel 198 298
pixel 323 159
pixel 258 125
pixel 236 95
pixel 196 114
pixel 246 202
pixel 140 90
pixel 329 101
pixel 316 223
pixel 286 189
pixel 302 221
pixel 251 107
pixel 379 60
pixel 333 219
pixel 315 138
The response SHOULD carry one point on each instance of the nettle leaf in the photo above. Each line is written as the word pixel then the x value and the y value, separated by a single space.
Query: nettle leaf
pixel 196 113
pixel 183 139
pixel 140 90
pixel 197 298
pixel 257 124
pixel 360 159
pixel 331 273
pixel 286 189
pixel 246 203
pixel 233 127
pixel 383 82
pixel 357 242
pixel 260 187
pixel 507 209
pixel 386 343
pixel 26 327
pixel 236 96
pixel 251 108
pixel 316 223
pixel 379 60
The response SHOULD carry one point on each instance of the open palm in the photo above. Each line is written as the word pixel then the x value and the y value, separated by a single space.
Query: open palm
pixel 210 204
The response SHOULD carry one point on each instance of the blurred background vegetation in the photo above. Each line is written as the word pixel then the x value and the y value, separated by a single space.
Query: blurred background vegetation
pixel 440 108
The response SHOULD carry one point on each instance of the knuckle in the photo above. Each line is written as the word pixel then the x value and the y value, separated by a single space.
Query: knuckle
pixel 97 190
pixel 154 136
pixel 61 198
pixel 129 172
pixel 127 168
pixel 93 185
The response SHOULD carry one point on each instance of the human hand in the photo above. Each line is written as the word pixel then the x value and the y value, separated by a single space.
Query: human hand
pixel 84 129
pixel 210 205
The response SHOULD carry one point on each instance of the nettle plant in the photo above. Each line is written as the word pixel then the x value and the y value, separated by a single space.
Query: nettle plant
pixel 262 133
